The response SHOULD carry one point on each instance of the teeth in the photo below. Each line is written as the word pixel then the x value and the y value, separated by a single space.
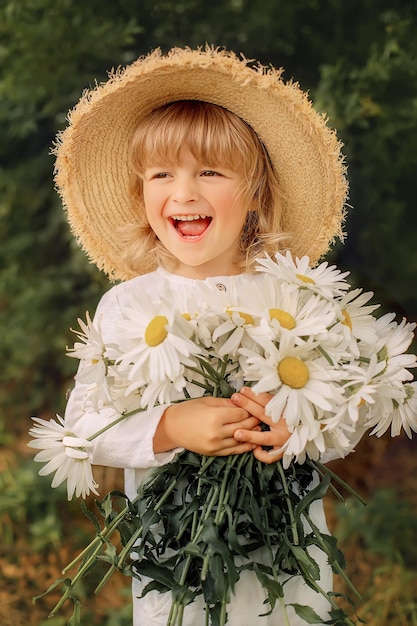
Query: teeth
pixel 188 218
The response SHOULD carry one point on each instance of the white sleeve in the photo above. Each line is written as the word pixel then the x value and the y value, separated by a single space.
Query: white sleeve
pixel 128 444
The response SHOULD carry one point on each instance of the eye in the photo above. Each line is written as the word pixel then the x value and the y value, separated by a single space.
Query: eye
pixel 156 175
pixel 210 173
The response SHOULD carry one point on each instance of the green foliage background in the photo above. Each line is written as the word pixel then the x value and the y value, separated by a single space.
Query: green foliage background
pixel 358 59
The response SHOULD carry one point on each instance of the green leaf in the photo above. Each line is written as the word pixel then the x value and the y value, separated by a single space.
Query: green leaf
pixel 75 619
pixel 335 554
pixel 193 549
pixel 160 573
pixel 307 563
pixel 90 516
pixel 54 585
pixel 307 614
pixel 317 493
pixel 273 588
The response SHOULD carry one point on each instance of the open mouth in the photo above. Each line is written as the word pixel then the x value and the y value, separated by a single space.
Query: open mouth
pixel 191 225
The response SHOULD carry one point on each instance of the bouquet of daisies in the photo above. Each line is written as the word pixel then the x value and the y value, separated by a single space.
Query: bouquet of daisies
pixel 334 370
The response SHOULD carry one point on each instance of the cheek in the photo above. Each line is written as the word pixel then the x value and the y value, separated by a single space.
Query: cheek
pixel 146 196
pixel 151 202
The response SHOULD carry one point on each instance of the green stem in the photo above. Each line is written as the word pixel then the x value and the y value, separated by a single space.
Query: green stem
pixel 206 462
pixel 97 544
pixel 99 538
pixel 202 385
pixel 222 499
pixel 211 377
pixel 284 611
pixel 70 586
pixel 176 611
pixel 325 354
pixel 223 495
pixel 323 469
pixel 243 459
pixel 114 422
pixel 333 561
pixel 129 545
pixel 105 579
pixel 294 528
pixel 223 614
pixel 223 368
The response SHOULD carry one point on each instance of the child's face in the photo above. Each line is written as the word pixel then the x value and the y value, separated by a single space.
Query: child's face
pixel 197 213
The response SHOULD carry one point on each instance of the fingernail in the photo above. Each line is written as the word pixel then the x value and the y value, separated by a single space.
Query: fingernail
pixel 238 434
pixel 235 397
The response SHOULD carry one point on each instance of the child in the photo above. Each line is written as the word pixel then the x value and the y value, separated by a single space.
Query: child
pixel 181 171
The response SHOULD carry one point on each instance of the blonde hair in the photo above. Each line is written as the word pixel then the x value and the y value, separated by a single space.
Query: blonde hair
pixel 215 137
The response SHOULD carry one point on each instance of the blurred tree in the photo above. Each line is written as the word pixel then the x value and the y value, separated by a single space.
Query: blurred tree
pixel 374 107
pixel 48 53
pixel 357 58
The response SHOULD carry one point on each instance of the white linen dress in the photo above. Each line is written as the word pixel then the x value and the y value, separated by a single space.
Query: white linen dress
pixel 129 445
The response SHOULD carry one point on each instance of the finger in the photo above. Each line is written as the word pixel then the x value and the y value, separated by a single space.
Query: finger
pixel 276 439
pixel 234 414
pixel 251 423
pixel 236 448
pixel 261 398
pixel 266 457
pixel 251 406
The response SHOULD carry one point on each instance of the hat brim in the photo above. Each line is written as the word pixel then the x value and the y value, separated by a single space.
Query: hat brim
pixel 92 166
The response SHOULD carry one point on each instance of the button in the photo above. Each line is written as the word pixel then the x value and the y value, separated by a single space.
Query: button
pixel 221 287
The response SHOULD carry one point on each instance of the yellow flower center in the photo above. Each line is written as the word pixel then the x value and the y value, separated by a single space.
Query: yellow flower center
pixel 347 320
pixel 94 361
pixel 187 316
pixel 156 331
pixel 293 372
pixel 285 319
pixel 306 279
pixel 248 319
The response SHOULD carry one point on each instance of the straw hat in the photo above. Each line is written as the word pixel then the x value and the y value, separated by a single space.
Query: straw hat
pixel 92 168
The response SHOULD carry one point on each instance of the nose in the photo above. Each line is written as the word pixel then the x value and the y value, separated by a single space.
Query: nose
pixel 185 190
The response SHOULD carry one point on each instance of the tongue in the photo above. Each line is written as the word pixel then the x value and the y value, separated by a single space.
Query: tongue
pixel 193 228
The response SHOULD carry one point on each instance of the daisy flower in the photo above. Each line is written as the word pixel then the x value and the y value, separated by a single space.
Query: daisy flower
pixel 356 322
pixel 234 331
pixel 156 342
pixel 203 324
pixel 340 441
pixel 315 444
pixel 394 340
pixel 202 319
pixel 296 444
pixel 232 323
pixel 300 379
pixel 397 409
pixel 65 454
pixel 279 305
pixel 328 281
pixel 94 362
pixel 164 391
pixel 91 347
pixel 405 413
pixel 361 387
pixel 123 400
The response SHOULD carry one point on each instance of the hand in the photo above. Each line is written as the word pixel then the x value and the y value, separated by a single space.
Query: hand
pixel 205 426
pixel 275 437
